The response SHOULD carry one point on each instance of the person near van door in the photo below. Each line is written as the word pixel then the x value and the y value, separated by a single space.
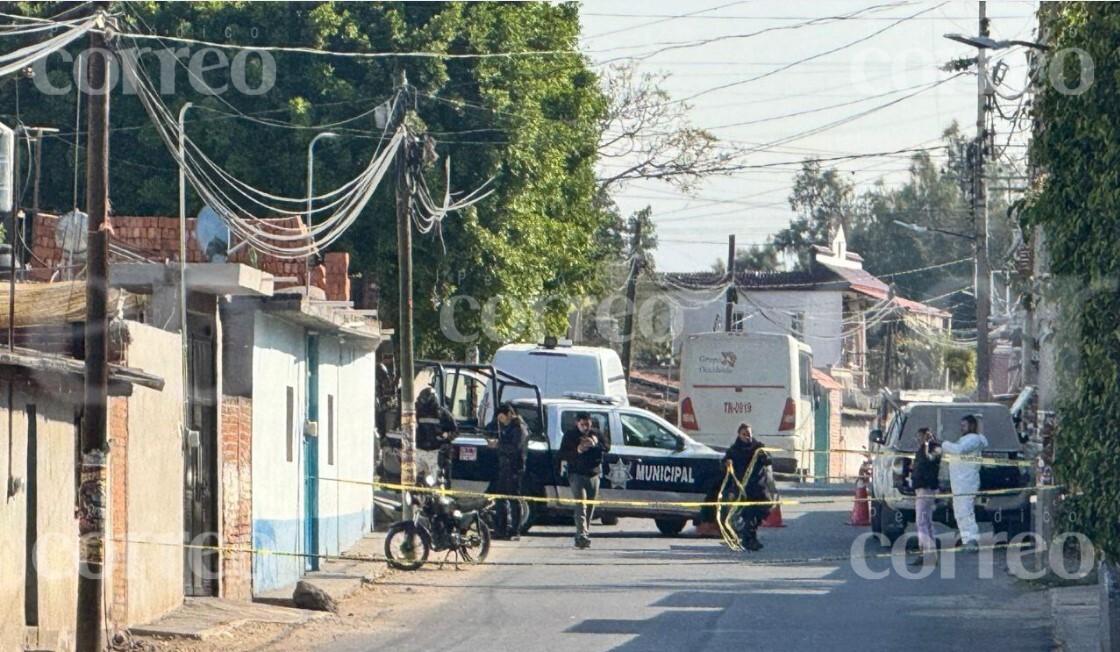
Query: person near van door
pixel 964 477
pixel 435 430
pixel 513 448
pixel 923 478
pixel 754 468
pixel 582 448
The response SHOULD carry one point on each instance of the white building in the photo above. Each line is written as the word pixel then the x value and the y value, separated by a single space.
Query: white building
pixel 829 307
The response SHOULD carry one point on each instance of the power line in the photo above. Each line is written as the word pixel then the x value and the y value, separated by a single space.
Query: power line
pixel 812 57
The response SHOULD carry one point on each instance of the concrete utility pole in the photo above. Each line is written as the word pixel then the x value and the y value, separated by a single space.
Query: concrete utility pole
pixel 92 500
pixel 405 366
pixel 729 308
pixel 980 216
pixel 631 292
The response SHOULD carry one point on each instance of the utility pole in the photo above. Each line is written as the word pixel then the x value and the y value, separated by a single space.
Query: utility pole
pixel 405 367
pixel 980 216
pixel 732 295
pixel 631 291
pixel 92 500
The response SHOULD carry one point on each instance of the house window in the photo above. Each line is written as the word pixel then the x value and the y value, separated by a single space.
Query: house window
pixel 291 423
pixel 797 326
pixel 330 429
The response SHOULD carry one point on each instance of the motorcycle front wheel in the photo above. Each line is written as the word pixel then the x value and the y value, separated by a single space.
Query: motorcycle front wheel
pixel 476 541
pixel 407 546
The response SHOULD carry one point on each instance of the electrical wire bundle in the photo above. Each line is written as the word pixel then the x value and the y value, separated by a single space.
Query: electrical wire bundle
pixel 19 59
pixel 236 202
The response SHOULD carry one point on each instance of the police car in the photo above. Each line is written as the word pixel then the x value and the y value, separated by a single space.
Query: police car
pixel 650 463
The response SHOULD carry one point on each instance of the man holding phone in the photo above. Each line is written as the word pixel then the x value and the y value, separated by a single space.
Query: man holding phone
pixel 583 448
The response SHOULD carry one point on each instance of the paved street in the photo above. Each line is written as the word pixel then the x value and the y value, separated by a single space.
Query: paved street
pixel 637 590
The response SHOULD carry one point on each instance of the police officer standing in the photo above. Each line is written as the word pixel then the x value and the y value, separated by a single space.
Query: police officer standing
pixel 513 447
pixel 753 467
pixel 435 430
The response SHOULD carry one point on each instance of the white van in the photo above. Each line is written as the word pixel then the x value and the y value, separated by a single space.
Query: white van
pixel 562 370
pixel 761 379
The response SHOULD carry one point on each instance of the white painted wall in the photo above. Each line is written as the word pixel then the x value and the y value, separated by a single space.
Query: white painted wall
pixel 347 374
pixel 772 312
pixel 155 478
pixel 279 362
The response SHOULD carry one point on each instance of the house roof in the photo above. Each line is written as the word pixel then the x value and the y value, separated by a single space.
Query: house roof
pixel 866 283
pixel 826 381
pixel 820 277
pixel 816 279
pixel 121 379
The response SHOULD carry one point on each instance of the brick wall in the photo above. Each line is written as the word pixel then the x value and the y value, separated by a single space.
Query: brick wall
pixel 237 497
pixel 118 507
pixel 157 238
pixel 836 465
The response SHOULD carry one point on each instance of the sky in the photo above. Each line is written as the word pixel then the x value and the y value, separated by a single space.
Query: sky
pixel 884 75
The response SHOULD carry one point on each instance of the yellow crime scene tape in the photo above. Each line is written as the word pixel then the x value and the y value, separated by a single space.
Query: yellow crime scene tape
pixel 728 534
pixel 392 486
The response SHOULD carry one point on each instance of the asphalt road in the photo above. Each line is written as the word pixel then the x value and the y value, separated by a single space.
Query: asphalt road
pixel 636 590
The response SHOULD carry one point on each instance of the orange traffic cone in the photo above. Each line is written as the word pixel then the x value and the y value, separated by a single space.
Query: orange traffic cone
pixel 861 513
pixel 775 517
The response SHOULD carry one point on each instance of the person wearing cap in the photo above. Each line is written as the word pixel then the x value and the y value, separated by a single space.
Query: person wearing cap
pixel 513 447
pixel 583 448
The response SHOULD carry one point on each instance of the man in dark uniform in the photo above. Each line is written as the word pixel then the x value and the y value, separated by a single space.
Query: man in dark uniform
pixel 753 467
pixel 513 447
pixel 435 429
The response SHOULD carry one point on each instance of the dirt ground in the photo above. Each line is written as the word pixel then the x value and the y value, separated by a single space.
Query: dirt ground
pixel 384 604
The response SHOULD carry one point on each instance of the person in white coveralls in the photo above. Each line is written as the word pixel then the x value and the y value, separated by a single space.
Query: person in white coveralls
pixel 964 477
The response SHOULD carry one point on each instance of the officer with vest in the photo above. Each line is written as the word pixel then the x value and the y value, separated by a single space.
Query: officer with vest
pixel 435 429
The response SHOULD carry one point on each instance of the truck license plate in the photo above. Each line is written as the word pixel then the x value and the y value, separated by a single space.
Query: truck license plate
pixel 468 453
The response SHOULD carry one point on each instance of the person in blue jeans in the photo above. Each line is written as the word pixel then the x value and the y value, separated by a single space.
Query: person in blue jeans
pixel 583 448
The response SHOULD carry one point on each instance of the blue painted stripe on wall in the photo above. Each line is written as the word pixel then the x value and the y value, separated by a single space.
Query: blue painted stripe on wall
pixel 271 572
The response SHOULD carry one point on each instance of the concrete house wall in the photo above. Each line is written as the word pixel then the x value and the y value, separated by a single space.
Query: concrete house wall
pixel 56 551
pixel 153 503
pixel 346 374
pixel 279 363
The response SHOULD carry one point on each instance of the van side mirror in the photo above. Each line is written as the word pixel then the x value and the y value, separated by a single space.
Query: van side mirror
pixel 680 444
pixel 876 437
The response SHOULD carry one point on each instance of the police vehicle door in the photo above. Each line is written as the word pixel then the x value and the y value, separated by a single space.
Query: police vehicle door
pixel 600 422
pixel 647 466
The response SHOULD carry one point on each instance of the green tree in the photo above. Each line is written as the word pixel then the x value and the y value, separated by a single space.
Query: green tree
pixel 1077 206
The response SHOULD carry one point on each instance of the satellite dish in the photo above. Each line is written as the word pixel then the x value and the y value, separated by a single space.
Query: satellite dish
pixel 212 235
pixel 70 235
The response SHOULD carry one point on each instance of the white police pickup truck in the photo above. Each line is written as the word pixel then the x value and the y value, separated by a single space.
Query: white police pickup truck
pixel 650 461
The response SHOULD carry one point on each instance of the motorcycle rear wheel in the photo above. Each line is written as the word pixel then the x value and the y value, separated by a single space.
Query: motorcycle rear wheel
pixel 407 546
pixel 476 541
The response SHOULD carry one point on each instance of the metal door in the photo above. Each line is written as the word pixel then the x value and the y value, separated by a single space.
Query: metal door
pixel 311 458
pixel 200 445
pixel 821 435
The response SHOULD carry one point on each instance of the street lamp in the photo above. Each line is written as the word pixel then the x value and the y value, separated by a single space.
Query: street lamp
pixel 310 195
pixel 989 43
pixel 183 337
pixel 926 229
